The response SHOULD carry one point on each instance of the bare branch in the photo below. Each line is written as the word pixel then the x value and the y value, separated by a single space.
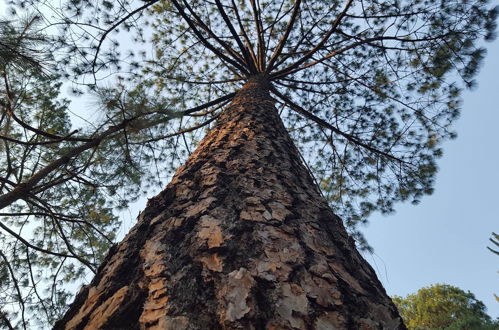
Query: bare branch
pixel 247 57
pixel 16 285
pixel 182 131
pixel 259 30
pixel 254 58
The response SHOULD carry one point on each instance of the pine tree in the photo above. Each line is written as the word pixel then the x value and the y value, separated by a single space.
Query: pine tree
pixel 366 91
pixel 240 239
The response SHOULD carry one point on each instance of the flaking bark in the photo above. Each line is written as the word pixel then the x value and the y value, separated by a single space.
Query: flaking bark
pixel 240 239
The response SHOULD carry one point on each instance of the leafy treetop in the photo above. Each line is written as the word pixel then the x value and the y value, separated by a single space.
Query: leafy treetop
pixel 443 306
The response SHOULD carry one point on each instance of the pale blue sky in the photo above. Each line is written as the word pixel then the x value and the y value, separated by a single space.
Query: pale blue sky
pixel 444 239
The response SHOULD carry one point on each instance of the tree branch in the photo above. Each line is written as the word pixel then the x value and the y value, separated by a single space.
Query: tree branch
pixel 320 44
pixel 244 51
pixel 259 30
pixel 16 285
pixel 204 40
pixel 325 124
pixel 254 58
pixel 284 38
pixel 22 190
pixel 115 25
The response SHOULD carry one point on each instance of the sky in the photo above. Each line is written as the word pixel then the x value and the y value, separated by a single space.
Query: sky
pixel 444 238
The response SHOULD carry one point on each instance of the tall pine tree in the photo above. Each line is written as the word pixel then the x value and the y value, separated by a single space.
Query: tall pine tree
pixel 242 237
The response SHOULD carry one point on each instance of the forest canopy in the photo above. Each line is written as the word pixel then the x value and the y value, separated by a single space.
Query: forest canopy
pixel 368 90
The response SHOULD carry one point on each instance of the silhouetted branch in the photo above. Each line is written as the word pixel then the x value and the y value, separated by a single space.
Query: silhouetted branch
pixel 319 45
pixel 282 42
pixel 115 25
pixel 323 123
pixel 208 45
pixel 16 285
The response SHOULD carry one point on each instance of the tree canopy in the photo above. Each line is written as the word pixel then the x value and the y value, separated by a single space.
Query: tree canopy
pixel 367 90
pixel 443 306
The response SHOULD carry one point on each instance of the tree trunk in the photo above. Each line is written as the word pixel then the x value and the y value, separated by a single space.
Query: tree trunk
pixel 240 239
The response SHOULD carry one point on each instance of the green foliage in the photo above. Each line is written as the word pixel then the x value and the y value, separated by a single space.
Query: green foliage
pixel 442 306
pixel 68 218
pixel 21 46
pixel 54 235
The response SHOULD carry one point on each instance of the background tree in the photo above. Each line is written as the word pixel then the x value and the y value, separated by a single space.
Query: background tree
pixel 374 83
pixel 442 306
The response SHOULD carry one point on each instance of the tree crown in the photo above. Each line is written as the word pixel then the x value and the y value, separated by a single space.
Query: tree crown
pixel 443 306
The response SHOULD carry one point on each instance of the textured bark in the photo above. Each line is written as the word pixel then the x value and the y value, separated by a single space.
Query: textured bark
pixel 240 239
